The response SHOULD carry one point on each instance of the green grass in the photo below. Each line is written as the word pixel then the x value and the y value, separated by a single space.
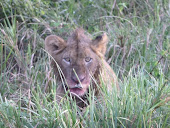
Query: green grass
pixel 138 51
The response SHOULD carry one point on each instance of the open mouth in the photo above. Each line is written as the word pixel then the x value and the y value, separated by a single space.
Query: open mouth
pixel 77 90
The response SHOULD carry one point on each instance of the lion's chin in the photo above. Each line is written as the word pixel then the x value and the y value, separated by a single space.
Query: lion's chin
pixel 78 91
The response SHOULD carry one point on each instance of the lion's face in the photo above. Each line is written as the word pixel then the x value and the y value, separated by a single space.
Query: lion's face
pixel 78 58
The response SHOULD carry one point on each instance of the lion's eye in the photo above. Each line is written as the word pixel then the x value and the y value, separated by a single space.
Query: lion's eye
pixel 67 60
pixel 88 59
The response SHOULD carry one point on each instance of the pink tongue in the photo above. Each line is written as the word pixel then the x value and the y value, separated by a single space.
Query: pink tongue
pixel 77 91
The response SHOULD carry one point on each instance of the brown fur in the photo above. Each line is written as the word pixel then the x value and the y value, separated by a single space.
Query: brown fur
pixel 80 58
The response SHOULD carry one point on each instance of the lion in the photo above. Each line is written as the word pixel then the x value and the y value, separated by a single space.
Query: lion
pixel 79 64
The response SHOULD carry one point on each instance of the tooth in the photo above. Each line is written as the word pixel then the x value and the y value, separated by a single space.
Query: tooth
pixel 79 86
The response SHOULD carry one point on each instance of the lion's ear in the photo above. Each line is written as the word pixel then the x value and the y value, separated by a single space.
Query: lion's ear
pixel 100 42
pixel 54 44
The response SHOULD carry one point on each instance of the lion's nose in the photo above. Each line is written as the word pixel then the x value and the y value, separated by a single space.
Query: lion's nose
pixel 78 79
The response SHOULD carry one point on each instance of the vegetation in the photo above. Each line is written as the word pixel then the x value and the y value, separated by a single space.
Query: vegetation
pixel 138 51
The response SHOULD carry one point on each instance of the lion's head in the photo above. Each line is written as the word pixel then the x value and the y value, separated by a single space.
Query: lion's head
pixel 78 58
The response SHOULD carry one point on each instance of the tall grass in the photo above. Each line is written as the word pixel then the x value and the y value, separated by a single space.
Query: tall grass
pixel 138 51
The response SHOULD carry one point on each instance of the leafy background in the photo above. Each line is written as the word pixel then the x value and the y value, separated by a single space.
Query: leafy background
pixel 138 51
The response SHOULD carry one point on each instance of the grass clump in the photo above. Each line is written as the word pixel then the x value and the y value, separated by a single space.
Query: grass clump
pixel 138 51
